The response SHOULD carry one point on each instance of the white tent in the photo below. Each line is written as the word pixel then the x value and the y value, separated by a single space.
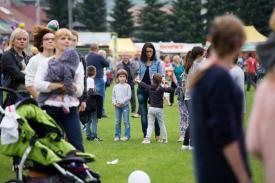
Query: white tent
pixel 87 38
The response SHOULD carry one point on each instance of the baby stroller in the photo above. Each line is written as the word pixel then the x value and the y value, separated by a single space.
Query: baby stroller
pixel 41 147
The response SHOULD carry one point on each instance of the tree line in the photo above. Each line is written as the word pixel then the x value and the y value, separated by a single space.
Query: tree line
pixel 185 20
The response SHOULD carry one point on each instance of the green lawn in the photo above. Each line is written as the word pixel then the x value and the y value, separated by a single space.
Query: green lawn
pixel 163 162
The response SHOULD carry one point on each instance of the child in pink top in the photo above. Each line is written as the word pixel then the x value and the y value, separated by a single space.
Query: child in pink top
pixel 169 75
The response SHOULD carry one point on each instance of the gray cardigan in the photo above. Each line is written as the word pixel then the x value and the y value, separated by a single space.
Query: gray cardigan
pixel 133 68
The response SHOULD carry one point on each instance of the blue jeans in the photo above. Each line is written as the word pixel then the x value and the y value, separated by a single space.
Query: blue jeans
pixel 100 88
pixel 92 125
pixel 69 122
pixel 125 112
pixel 143 97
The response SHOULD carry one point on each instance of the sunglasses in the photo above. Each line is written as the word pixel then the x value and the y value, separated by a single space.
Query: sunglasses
pixel 48 39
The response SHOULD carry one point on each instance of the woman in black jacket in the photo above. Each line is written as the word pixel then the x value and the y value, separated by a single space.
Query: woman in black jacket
pixel 13 64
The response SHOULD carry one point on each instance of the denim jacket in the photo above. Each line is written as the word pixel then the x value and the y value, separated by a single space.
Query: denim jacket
pixel 154 68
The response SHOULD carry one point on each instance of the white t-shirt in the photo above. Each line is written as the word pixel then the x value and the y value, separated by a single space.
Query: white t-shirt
pixel 238 77
pixel 90 83
pixel 32 67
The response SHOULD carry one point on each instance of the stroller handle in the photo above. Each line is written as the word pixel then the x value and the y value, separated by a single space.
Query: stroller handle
pixel 11 91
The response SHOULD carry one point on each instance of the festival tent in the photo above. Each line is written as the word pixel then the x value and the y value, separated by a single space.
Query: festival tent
pixel 170 47
pixel 175 48
pixel 123 45
pixel 253 37
pixel 100 38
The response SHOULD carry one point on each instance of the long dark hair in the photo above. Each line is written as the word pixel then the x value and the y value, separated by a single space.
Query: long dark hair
pixel 187 62
pixel 196 52
pixel 143 57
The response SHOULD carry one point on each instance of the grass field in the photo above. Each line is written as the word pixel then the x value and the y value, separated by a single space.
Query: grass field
pixel 165 163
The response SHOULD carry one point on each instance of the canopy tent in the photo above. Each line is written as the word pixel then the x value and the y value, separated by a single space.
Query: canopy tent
pixel 170 47
pixel 177 47
pixel 123 45
pixel 253 36
pixel 87 38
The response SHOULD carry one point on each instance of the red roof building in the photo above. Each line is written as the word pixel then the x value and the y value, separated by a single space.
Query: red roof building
pixel 11 14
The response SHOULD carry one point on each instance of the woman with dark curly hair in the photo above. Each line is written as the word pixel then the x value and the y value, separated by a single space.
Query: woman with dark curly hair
pixel 44 42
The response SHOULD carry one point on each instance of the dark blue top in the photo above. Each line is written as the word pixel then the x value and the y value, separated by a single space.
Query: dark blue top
pixel 99 62
pixel 217 122
pixel 155 94
pixel 146 78
pixel 128 69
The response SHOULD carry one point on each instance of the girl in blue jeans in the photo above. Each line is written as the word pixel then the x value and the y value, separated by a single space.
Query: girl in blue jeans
pixel 121 96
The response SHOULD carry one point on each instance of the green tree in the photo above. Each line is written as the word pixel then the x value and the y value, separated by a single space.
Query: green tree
pixel 154 23
pixel 123 23
pixel 92 13
pixel 257 13
pixel 219 7
pixel 58 10
pixel 187 21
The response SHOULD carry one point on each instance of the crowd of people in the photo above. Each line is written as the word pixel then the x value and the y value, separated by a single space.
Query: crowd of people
pixel 209 85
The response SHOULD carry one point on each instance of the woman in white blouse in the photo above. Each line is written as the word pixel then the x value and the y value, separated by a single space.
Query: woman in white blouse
pixel 44 41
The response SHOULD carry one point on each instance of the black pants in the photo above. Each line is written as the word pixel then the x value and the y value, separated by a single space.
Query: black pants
pixel 174 86
pixel 133 99
pixel 250 81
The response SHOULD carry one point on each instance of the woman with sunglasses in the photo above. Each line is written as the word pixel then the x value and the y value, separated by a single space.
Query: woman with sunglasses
pixel 149 65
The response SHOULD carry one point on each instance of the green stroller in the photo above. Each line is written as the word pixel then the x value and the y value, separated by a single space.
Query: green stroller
pixel 41 147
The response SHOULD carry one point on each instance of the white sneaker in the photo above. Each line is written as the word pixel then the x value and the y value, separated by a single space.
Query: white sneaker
pixel 164 141
pixel 184 148
pixel 124 139
pixel 190 148
pixel 146 141
pixel 116 139
pixel 181 139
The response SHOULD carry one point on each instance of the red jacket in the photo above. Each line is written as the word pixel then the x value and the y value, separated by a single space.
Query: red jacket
pixel 251 65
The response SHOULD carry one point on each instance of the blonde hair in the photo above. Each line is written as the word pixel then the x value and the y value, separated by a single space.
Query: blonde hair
pixel 63 32
pixel 16 32
pixel 176 57
pixel 272 21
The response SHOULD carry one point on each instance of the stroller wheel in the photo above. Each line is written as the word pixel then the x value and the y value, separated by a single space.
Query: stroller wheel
pixel 14 181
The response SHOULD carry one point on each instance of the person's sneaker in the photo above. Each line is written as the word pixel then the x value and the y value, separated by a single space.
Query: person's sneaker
pixel 164 141
pixel 181 139
pixel 97 139
pixel 184 148
pixel 190 148
pixel 135 115
pixel 84 127
pixel 124 139
pixel 104 116
pixel 89 138
pixel 158 139
pixel 116 139
pixel 146 141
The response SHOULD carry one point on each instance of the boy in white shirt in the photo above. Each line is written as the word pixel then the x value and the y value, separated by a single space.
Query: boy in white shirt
pixel 91 129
